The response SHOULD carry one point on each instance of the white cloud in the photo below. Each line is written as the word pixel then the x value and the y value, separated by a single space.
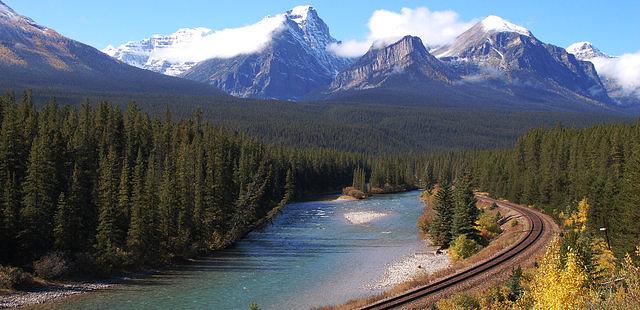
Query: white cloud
pixel 225 43
pixel 433 27
pixel 623 70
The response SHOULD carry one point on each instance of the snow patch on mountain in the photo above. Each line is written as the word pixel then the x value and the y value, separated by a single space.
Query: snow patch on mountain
pixel 620 73
pixel 498 24
pixel 7 14
pixel 585 50
pixel 175 53
pixel 300 13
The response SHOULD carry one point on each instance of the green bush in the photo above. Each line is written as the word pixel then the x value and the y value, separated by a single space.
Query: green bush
pixel 51 266
pixel 462 247
pixel 13 278
pixel 488 225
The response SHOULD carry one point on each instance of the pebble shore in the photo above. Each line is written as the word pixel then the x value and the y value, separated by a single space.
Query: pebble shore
pixel 48 293
pixel 407 268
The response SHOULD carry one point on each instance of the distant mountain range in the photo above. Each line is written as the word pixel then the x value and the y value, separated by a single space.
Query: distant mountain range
pixel 493 61
pixel 495 56
pixel 587 52
pixel 35 56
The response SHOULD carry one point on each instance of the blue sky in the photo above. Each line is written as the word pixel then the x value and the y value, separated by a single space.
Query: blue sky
pixel 613 26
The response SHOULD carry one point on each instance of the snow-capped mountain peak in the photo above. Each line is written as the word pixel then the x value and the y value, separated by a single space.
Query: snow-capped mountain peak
pixel 301 13
pixel 494 23
pixel 176 53
pixel 110 50
pixel 585 51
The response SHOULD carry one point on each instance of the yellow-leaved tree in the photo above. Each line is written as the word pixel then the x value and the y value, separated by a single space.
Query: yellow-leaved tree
pixel 577 221
pixel 558 285
pixel 604 261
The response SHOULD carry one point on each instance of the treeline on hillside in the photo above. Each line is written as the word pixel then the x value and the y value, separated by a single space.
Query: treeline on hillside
pixel 556 168
pixel 111 189
pixel 385 127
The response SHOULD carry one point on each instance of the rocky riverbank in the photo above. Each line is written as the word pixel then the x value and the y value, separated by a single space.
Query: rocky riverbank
pixel 48 293
pixel 416 265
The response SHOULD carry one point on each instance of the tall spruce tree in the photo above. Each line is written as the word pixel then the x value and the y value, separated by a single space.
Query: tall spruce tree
pixel 136 236
pixel 289 187
pixel 359 182
pixel 631 201
pixel 39 202
pixel 10 221
pixel 124 197
pixel 150 213
pixel 109 237
pixel 167 210
pixel 465 212
pixel 64 230
pixel 440 228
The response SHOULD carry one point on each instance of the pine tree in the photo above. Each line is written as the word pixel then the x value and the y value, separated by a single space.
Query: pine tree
pixel 198 187
pixel 359 182
pixel 514 286
pixel 465 213
pixel 39 204
pixel 150 213
pixel 64 231
pixel 440 228
pixel 289 188
pixel 136 234
pixel 167 209
pixel 630 197
pixel 429 179
pixel 108 237
pixel 124 198
pixel 11 149
pixel 376 179
pixel 10 221
pixel 81 216
pixel 185 195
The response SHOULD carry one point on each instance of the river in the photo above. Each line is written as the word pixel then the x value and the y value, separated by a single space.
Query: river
pixel 309 256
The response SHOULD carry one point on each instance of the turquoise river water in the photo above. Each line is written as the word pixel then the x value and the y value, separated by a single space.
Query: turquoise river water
pixel 310 256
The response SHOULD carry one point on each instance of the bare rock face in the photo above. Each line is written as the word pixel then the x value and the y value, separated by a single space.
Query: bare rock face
pixel 407 57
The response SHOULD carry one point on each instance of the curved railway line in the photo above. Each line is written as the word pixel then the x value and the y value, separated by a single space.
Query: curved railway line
pixel 533 235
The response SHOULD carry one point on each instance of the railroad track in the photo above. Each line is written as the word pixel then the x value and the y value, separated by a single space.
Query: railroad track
pixel 535 231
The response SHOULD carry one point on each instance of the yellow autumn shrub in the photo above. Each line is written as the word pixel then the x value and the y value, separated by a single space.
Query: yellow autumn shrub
pixel 557 285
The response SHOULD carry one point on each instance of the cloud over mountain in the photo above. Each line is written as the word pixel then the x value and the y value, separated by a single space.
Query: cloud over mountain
pixel 624 70
pixel 435 28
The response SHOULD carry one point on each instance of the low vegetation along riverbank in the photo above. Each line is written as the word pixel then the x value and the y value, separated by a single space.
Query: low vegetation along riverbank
pixel 379 183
